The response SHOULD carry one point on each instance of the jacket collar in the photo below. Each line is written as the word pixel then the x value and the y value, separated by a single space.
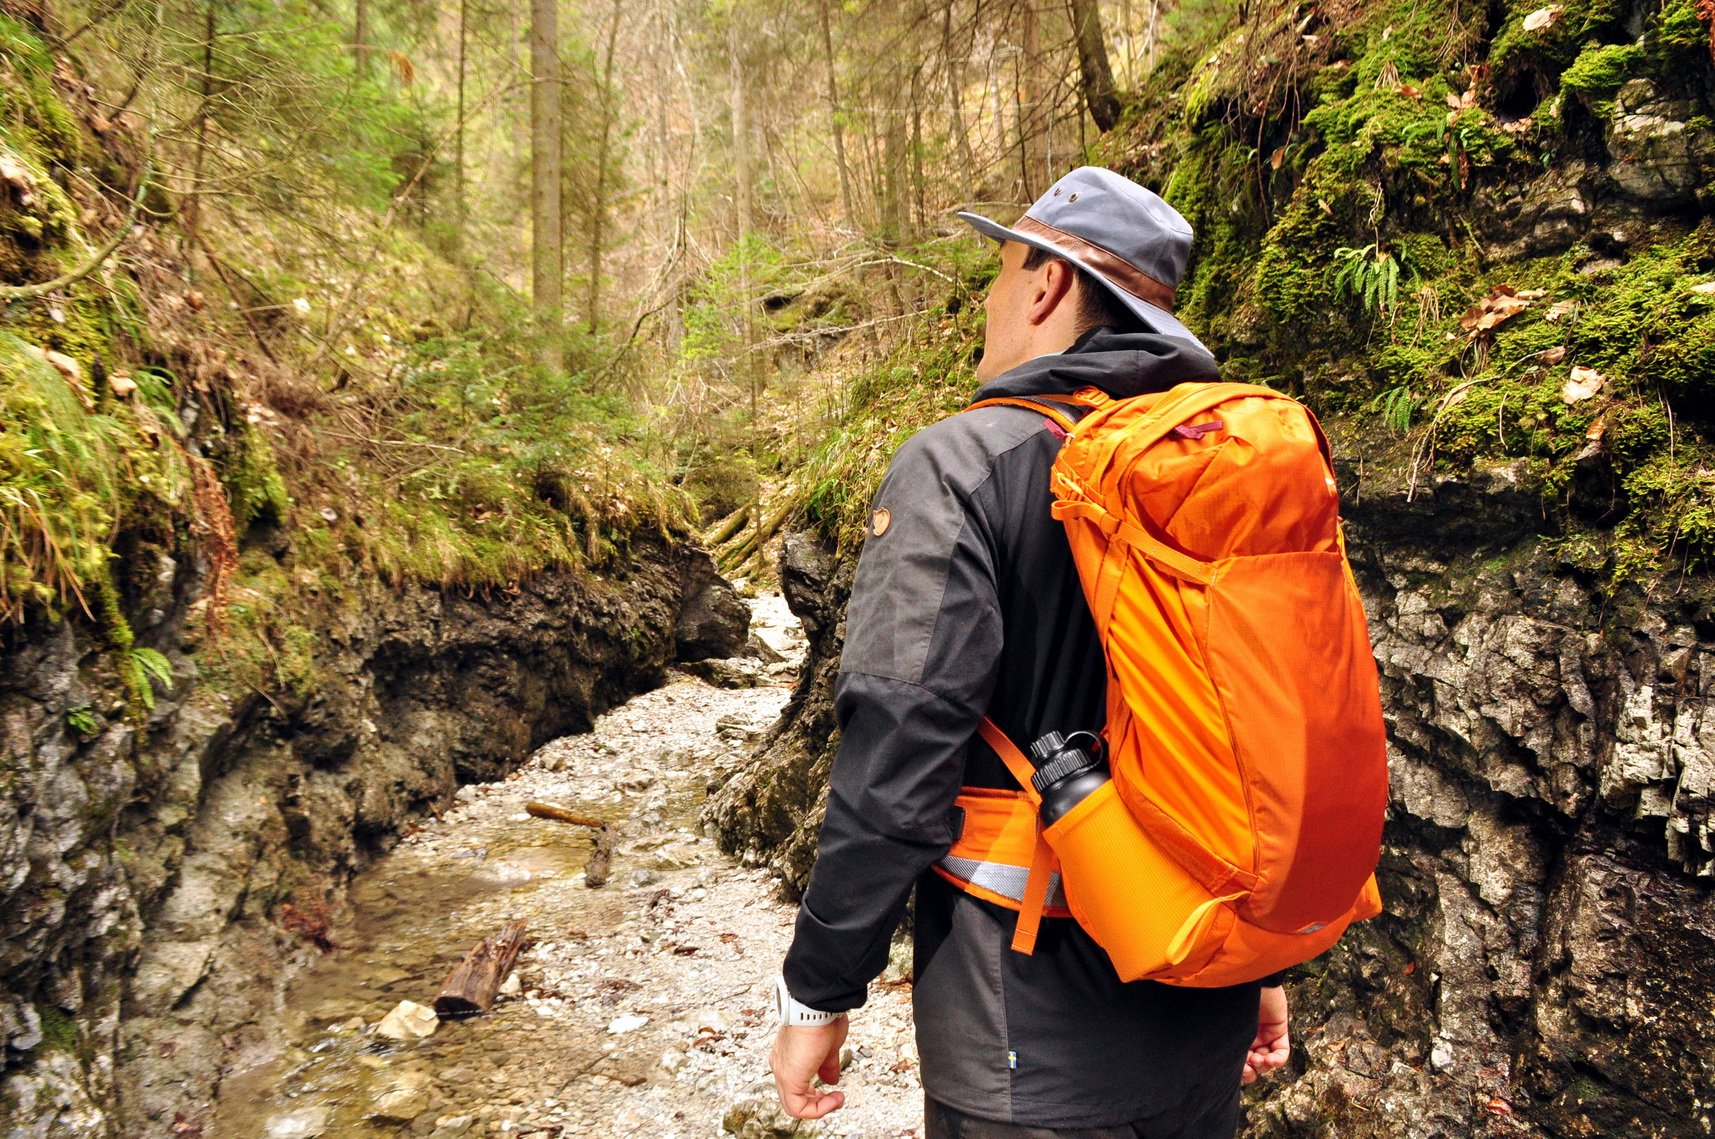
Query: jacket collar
pixel 1119 363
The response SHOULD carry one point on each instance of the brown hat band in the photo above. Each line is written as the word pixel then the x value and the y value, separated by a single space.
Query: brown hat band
pixel 1116 269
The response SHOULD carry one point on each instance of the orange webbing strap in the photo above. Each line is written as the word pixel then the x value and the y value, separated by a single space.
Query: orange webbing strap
pixel 1175 562
pixel 1065 421
pixel 1042 861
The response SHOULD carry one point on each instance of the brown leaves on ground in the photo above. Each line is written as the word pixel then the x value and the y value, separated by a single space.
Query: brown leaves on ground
pixel 1706 11
pixel 1503 303
pixel 1585 382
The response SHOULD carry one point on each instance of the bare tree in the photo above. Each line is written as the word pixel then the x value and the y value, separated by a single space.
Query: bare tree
pixel 1098 77
pixel 546 240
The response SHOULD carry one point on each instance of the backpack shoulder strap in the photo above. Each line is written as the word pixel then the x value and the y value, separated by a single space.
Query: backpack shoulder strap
pixel 1058 408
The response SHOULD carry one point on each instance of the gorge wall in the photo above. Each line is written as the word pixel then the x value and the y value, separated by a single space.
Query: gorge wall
pixel 161 879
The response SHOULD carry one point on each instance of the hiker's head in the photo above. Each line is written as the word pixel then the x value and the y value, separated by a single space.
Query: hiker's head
pixel 1097 243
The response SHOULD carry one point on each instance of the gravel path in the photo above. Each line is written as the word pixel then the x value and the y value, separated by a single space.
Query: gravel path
pixel 644 1008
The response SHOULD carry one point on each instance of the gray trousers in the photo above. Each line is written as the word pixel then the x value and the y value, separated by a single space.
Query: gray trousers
pixel 942 1122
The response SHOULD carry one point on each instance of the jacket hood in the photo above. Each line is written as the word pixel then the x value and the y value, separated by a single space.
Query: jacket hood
pixel 1120 363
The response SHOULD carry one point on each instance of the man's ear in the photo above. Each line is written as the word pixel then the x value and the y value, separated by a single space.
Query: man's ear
pixel 1054 287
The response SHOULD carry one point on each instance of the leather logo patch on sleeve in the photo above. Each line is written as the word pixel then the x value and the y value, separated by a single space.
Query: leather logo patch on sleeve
pixel 878 525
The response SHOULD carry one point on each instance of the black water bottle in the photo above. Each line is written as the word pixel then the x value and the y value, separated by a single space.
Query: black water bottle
pixel 1068 768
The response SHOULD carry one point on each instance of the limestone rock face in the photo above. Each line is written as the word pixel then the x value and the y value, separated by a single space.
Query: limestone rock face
pixel 1546 958
pixel 145 870
pixel 771 810
pixel 1659 156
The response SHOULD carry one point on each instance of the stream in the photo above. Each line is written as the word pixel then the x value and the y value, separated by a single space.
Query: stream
pixel 642 1008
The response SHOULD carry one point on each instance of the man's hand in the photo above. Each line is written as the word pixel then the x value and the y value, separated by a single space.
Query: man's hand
pixel 1271 1046
pixel 800 1056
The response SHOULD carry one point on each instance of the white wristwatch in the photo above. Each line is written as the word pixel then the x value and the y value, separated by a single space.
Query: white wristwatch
pixel 796 1014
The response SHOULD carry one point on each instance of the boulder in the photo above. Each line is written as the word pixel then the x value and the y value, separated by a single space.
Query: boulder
pixel 714 621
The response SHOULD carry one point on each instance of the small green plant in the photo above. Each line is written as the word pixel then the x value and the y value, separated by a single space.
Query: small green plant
pixel 81 719
pixel 1396 407
pixel 1368 275
pixel 148 665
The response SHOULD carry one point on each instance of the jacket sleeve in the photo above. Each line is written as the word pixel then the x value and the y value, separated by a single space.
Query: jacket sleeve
pixel 923 637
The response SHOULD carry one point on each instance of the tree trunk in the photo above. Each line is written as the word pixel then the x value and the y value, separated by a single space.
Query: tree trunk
pixel 545 232
pixel 461 217
pixel 836 117
pixel 598 205
pixel 1033 116
pixel 955 79
pixel 193 201
pixel 1098 77
pixel 360 39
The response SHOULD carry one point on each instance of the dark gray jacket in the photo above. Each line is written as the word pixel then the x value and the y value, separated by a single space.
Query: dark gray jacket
pixel 968 603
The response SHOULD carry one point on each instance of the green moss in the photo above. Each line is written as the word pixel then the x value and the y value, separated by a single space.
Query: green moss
pixel 60 1030
pixel 254 485
pixel 1601 70
pixel 1548 50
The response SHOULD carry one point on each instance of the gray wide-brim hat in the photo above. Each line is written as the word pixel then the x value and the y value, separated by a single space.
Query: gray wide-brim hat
pixel 1118 232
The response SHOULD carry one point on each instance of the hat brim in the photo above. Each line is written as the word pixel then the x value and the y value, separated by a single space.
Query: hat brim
pixel 1154 317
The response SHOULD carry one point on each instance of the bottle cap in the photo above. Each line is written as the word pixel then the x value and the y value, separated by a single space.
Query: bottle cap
pixel 1046 748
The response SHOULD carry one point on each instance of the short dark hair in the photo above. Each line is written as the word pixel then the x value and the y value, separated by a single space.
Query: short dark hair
pixel 1098 307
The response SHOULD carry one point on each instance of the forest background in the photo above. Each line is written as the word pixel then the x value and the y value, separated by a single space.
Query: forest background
pixel 469 290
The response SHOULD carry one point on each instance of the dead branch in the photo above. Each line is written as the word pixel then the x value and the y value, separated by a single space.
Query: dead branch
pixel 9 293
pixel 560 814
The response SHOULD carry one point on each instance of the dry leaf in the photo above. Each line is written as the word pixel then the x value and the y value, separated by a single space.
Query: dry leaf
pixel 1277 158
pixel 1706 288
pixel 1409 91
pixel 122 385
pixel 1552 356
pixel 1503 303
pixel 1531 294
pixel 1498 1106
pixel 17 175
pixel 1543 18
pixel 1560 309
pixel 1585 382
pixel 68 367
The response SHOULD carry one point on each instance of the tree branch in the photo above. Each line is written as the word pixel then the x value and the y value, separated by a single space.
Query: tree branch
pixel 9 293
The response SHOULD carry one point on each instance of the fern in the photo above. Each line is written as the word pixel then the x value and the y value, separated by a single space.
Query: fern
pixel 148 665
pixel 1368 275
pixel 1397 406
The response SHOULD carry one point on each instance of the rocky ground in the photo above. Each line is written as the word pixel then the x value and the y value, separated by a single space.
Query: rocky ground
pixel 642 1008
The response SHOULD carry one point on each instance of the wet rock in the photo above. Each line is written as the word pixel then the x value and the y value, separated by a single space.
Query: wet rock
pixel 404 1099
pixel 408 1021
pixel 737 673
pixel 305 1123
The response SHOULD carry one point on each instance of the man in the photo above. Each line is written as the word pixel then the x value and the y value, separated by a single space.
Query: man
pixel 966 603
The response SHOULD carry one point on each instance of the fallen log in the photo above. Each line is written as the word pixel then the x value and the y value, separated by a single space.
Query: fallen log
pixel 601 862
pixel 560 814
pixel 470 988
pixel 726 528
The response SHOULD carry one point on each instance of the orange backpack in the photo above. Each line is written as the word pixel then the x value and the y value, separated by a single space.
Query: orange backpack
pixel 1242 823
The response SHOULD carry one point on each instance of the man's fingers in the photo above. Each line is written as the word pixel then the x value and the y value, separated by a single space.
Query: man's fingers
pixel 812 1105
